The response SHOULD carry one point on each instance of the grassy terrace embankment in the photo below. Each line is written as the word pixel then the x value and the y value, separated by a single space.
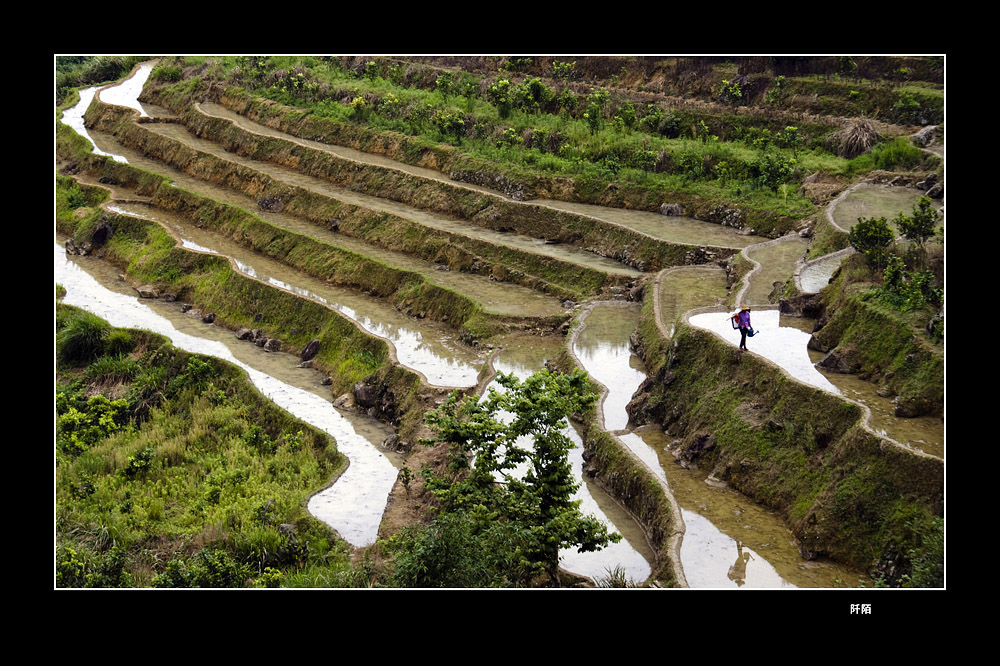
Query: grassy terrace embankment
pixel 562 279
pixel 883 344
pixel 185 476
pixel 845 492
pixel 575 131
pixel 149 255
pixel 403 288
pixel 490 211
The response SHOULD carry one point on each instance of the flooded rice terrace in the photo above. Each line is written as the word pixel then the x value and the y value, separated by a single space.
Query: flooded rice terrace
pixel 729 542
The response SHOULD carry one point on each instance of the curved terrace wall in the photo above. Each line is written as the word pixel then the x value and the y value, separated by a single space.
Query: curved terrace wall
pixel 845 492
pixel 487 210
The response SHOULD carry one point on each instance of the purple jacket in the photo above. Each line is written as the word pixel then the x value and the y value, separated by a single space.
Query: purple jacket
pixel 744 319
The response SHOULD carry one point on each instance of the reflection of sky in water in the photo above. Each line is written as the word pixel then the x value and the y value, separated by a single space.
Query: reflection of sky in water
pixel 817 275
pixel 644 452
pixel 714 560
pixel 709 556
pixel 595 564
pixel 411 350
pixel 355 503
pixel 608 363
pixel 786 347
pixel 73 117
pixel 127 92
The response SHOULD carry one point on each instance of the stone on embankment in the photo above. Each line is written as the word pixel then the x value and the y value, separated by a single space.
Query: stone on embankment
pixel 365 395
pixel 670 209
pixel 310 350
pixel 271 204
pixel 147 291
pixel 925 136
pixel 838 361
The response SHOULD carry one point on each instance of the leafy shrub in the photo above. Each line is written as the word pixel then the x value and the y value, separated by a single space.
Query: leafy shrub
pixel 456 551
pixel 138 463
pixel 908 290
pixel 772 169
pixel 897 153
pixel 77 430
pixel 500 95
pixel 563 70
pixel 921 225
pixel 257 439
pixel 210 567
pixel 77 569
pixel 730 93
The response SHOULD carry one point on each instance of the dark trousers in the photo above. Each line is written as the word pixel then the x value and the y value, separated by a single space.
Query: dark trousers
pixel 743 338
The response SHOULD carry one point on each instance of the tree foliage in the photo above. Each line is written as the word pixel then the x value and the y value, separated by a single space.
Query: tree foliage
pixel 872 238
pixel 509 477
pixel 921 225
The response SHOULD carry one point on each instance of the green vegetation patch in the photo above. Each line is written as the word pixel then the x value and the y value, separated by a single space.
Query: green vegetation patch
pixel 173 471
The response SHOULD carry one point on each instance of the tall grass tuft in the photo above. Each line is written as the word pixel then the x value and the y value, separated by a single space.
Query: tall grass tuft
pixel 855 138
pixel 81 338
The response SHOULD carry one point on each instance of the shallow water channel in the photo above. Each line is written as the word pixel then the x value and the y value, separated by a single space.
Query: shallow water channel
pixel 354 504
pixel 729 542
pixel 425 346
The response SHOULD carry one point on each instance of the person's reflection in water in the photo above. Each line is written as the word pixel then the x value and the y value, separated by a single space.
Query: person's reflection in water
pixel 738 572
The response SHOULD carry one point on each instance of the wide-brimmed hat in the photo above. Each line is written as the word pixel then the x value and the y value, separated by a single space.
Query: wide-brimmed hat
pixel 745 307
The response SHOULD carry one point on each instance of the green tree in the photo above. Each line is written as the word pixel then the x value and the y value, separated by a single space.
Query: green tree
pixel 872 238
pixel 500 94
pixel 921 225
pixel 509 465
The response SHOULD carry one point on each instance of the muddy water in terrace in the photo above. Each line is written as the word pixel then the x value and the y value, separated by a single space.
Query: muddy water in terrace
pixel 603 349
pixel 501 298
pixel 924 433
pixel 430 347
pixel 683 289
pixel 522 356
pixel 564 252
pixel 876 201
pixel 777 263
pixel 729 541
pixel 355 503
pixel 675 228
pixel 817 274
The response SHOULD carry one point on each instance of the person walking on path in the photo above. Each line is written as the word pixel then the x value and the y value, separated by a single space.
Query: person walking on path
pixel 743 323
